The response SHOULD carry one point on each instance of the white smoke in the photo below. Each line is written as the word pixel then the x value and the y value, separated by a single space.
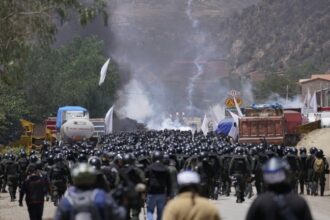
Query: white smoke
pixel 191 85
pixel 295 102
pixel 194 22
pixel 137 104
pixel 167 123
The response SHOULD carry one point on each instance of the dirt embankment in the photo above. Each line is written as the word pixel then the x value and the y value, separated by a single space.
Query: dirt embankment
pixel 319 138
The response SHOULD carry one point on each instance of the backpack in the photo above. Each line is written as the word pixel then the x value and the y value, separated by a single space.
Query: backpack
pixel 83 206
pixel 318 165
pixel 240 165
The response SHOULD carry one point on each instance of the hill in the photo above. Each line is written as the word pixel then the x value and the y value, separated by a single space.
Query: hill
pixel 276 35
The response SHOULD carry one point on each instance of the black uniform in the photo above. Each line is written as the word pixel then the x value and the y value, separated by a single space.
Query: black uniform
pixel 3 177
pixel 294 163
pixel 23 163
pixel 59 176
pixel 35 188
pixel 226 181
pixel 303 172
pixel 239 167
pixel 261 160
pixel 12 174
pixel 273 206
pixel 131 175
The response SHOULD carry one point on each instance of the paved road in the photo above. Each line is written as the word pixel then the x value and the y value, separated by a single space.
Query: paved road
pixel 229 210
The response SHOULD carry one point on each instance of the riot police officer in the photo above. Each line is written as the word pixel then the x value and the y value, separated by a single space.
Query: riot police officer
pixel 239 168
pixel 59 176
pixel 12 174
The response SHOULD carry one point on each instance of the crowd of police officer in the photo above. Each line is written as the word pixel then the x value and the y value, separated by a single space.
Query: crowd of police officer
pixel 123 162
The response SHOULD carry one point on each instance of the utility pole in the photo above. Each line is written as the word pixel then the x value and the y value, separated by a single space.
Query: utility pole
pixel 287 95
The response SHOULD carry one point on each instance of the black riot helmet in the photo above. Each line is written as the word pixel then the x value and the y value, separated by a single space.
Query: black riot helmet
pixel 239 151
pixel 313 150
pixel 82 158
pixel 58 157
pixel 95 162
pixel 157 156
pixel 302 150
pixel 22 154
pixel 128 159
pixel 319 153
pixel 33 158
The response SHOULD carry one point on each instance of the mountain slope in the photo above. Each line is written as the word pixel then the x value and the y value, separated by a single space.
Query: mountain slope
pixel 276 35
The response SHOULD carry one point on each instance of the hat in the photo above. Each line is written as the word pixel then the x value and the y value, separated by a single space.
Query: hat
pixel 186 178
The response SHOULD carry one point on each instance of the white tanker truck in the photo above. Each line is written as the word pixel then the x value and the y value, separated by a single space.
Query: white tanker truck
pixel 73 124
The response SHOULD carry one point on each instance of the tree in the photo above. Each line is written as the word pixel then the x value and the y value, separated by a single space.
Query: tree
pixel 275 84
pixel 68 76
pixel 25 23
pixel 12 108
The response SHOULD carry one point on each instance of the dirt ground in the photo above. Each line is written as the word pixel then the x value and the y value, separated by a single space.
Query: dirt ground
pixel 319 138
pixel 228 208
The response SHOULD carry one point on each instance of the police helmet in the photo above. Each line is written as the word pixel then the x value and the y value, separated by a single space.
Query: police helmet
pixel 22 153
pixel 319 153
pixel 302 150
pixel 82 158
pixel 157 156
pixel 275 171
pixel 33 158
pixel 84 175
pixel 312 150
pixel 95 162
pixel 58 157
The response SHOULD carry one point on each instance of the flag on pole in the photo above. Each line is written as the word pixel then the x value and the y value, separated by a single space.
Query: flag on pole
pixel 205 125
pixel 313 103
pixel 234 129
pixel 108 121
pixel 307 99
pixel 234 116
pixel 240 114
pixel 103 72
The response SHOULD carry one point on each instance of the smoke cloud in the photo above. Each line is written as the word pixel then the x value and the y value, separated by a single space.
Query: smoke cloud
pixel 169 50
pixel 295 102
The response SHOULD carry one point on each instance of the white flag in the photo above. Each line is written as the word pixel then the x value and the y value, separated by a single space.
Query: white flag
pixel 205 125
pixel 234 131
pixel 307 99
pixel 313 103
pixel 234 116
pixel 240 114
pixel 108 121
pixel 103 72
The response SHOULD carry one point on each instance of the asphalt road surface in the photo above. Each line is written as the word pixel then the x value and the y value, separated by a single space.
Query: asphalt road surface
pixel 229 210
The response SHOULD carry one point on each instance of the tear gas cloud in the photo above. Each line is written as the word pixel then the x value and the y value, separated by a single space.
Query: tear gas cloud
pixel 167 55
pixel 295 102
pixel 172 60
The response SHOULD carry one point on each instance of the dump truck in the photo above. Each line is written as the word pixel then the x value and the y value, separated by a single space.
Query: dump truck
pixel 271 124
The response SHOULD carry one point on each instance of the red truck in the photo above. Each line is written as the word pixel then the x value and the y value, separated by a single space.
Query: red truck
pixel 276 126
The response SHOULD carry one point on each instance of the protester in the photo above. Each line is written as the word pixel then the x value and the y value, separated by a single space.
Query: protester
pixel 84 201
pixel 189 205
pixel 35 188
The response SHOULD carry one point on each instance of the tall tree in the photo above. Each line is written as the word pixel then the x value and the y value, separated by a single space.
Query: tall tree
pixel 25 23
pixel 12 108
pixel 68 76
